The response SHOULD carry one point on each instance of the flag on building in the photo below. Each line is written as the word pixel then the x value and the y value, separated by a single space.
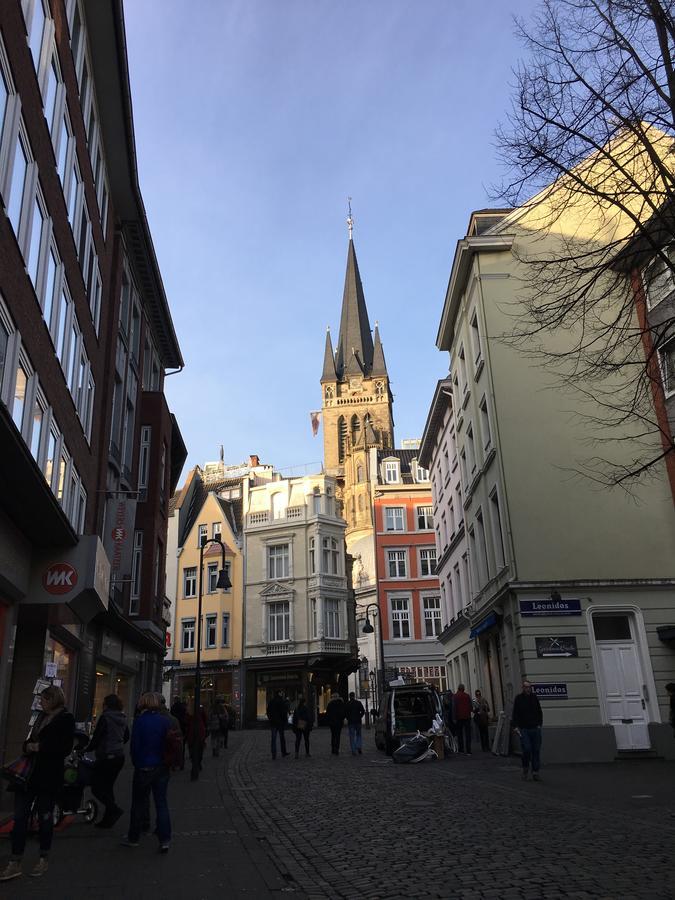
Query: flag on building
pixel 316 421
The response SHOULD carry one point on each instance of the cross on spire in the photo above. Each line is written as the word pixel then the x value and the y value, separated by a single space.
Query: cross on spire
pixel 350 220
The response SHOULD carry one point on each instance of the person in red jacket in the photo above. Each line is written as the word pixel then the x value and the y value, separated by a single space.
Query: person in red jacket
pixel 462 708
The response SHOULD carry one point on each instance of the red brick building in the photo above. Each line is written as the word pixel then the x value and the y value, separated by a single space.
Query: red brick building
pixel 90 451
pixel 409 596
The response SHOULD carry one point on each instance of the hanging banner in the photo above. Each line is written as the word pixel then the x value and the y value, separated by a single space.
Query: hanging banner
pixel 118 536
pixel 315 418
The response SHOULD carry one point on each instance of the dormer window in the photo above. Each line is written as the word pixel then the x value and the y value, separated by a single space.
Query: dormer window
pixel 391 471
pixel 419 473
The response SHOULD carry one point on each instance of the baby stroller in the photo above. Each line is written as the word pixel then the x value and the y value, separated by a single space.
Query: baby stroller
pixel 77 776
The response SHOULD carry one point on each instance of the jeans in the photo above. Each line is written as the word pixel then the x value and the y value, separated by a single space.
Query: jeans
pixel 464 735
pixel 530 743
pixel 299 735
pixel 45 811
pixel 335 732
pixel 355 738
pixel 278 730
pixel 146 781
pixel 483 734
pixel 103 779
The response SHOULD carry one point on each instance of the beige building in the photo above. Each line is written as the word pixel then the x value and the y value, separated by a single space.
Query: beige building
pixel 558 580
pixel 299 631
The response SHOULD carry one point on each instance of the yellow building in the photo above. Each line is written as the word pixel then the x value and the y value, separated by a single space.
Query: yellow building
pixel 221 627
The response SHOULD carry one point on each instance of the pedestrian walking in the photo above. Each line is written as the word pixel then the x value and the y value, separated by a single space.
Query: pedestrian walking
pixel 335 716
pixel 481 716
pixel 303 722
pixel 196 741
pixel 50 741
pixel 277 713
pixel 462 710
pixel 179 711
pixel 527 721
pixel 151 773
pixel 224 715
pixel 215 730
pixel 355 713
pixel 107 742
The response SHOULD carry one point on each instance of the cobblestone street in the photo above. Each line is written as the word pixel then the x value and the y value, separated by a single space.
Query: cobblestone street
pixel 464 827
pixel 361 827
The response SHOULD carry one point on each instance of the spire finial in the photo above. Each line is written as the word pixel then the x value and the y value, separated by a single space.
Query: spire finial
pixel 350 220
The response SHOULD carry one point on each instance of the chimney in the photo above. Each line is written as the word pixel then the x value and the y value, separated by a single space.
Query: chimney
pixel 253 461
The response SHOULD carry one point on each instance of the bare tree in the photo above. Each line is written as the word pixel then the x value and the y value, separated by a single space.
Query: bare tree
pixel 592 125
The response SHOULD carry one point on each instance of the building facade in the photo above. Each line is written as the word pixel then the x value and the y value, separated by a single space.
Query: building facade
pixel 299 613
pixel 91 453
pixel 564 583
pixel 409 597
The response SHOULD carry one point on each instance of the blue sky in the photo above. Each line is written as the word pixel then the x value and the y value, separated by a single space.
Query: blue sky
pixel 255 119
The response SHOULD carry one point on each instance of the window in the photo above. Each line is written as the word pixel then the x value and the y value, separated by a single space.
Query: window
pixel 394 518
pixel 330 556
pixel 159 569
pixel 212 578
pixel 50 458
pixel 432 616
pixel 359 474
pixel 471 449
pixel 475 572
pixel 466 577
pixel 279 615
pixel 17 187
pixel 312 556
pixel 63 145
pixel 459 506
pixel 19 398
pixel 428 562
pixel 485 423
pixel 611 628
pixel 202 535
pixel 667 360
pixel 391 469
pixel 462 370
pixel 144 457
pixel 316 504
pixel 225 634
pixel 462 467
pixel 190 581
pixel 332 618
pixel 342 438
pixel 278 561
pixel 39 411
pixel 658 278
pixel 35 23
pixel 497 533
pixel 37 231
pixel 52 91
pixel 425 518
pixel 278 505
pixel 421 474
pixel 216 530
pixel 457 588
pixel 161 479
pixel 396 560
pixel 136 561
pixel 211 631
pixel 475 340
pixel 400 618
pixel 188 635
pixel 314 617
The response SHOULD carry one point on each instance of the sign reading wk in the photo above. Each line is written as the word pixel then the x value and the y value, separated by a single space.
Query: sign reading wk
pixel 550 607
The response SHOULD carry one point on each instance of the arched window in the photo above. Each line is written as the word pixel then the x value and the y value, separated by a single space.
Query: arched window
pixel 356 429
pixel 360 502
pixel 329 392
pixel 379 389
pixel 359 473
pixel 342 438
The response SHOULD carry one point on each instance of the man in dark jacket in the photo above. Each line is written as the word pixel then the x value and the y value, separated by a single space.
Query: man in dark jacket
pixel 335 716
pixel 277 713
pixel 527 721
pixel 462 708
pixel 355 714
pixel 108 740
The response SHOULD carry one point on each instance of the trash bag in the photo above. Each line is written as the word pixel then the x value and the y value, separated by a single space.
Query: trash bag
pixel 414 750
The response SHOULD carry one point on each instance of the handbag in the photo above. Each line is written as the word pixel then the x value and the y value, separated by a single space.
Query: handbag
pixel 19 770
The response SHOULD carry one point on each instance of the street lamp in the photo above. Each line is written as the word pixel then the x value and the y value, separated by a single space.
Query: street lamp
pixel 369 629
pixel 223 584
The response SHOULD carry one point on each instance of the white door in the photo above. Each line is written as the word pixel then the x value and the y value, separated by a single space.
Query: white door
pixel 624 699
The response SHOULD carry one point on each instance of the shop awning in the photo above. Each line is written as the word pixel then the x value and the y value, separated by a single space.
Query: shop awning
pixel 487 623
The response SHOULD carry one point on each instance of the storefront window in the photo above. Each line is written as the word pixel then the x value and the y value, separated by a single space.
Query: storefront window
pixel 56 652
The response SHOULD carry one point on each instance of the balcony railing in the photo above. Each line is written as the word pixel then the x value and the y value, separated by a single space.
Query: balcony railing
pixel 328 581
pixel 290 514
pixel 280 649
pixel 333 646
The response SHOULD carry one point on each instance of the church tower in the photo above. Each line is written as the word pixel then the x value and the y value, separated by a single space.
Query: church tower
pixel 357 402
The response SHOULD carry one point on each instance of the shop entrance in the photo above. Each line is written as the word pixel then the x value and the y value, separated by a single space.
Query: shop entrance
pixel 623 680
pixel 110 680
pixel 268 683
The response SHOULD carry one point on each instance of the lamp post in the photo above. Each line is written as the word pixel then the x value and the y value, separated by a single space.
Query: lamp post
pixel 369 629
pixel 223 583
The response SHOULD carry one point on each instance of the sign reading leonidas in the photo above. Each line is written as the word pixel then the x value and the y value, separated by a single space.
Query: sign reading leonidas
pixel 118 536
pixel 78 576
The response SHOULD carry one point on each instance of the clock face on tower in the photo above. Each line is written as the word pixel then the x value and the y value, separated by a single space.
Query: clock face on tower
pixel 355 385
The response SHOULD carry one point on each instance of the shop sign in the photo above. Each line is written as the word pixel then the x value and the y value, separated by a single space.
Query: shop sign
pixel 557 646
pixel 78 576
pixel 550 607
pixel 550 690
pixel 118 536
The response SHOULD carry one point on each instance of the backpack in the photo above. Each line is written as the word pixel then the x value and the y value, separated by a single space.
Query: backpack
pixel 173 748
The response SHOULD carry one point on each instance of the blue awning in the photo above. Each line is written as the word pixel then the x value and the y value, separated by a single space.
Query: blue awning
pixel 488 622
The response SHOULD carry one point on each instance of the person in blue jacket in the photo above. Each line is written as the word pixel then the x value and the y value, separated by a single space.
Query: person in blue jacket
pixel 151 774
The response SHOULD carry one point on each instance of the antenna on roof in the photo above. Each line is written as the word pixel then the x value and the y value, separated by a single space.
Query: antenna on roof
pixel 350 220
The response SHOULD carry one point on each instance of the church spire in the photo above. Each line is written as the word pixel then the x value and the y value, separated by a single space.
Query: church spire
pixel 379 365
pixel 355 344
pixel 328 373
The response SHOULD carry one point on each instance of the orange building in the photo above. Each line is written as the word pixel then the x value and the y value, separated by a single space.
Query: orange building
pixel 409 597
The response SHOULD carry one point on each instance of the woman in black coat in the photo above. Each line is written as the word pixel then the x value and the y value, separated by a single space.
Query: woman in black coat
pixel 303 720
pixel 50 741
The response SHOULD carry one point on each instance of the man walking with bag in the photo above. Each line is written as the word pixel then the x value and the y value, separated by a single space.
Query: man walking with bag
pixel 355 714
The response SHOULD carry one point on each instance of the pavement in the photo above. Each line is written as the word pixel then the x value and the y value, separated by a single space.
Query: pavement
pixel 352 827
